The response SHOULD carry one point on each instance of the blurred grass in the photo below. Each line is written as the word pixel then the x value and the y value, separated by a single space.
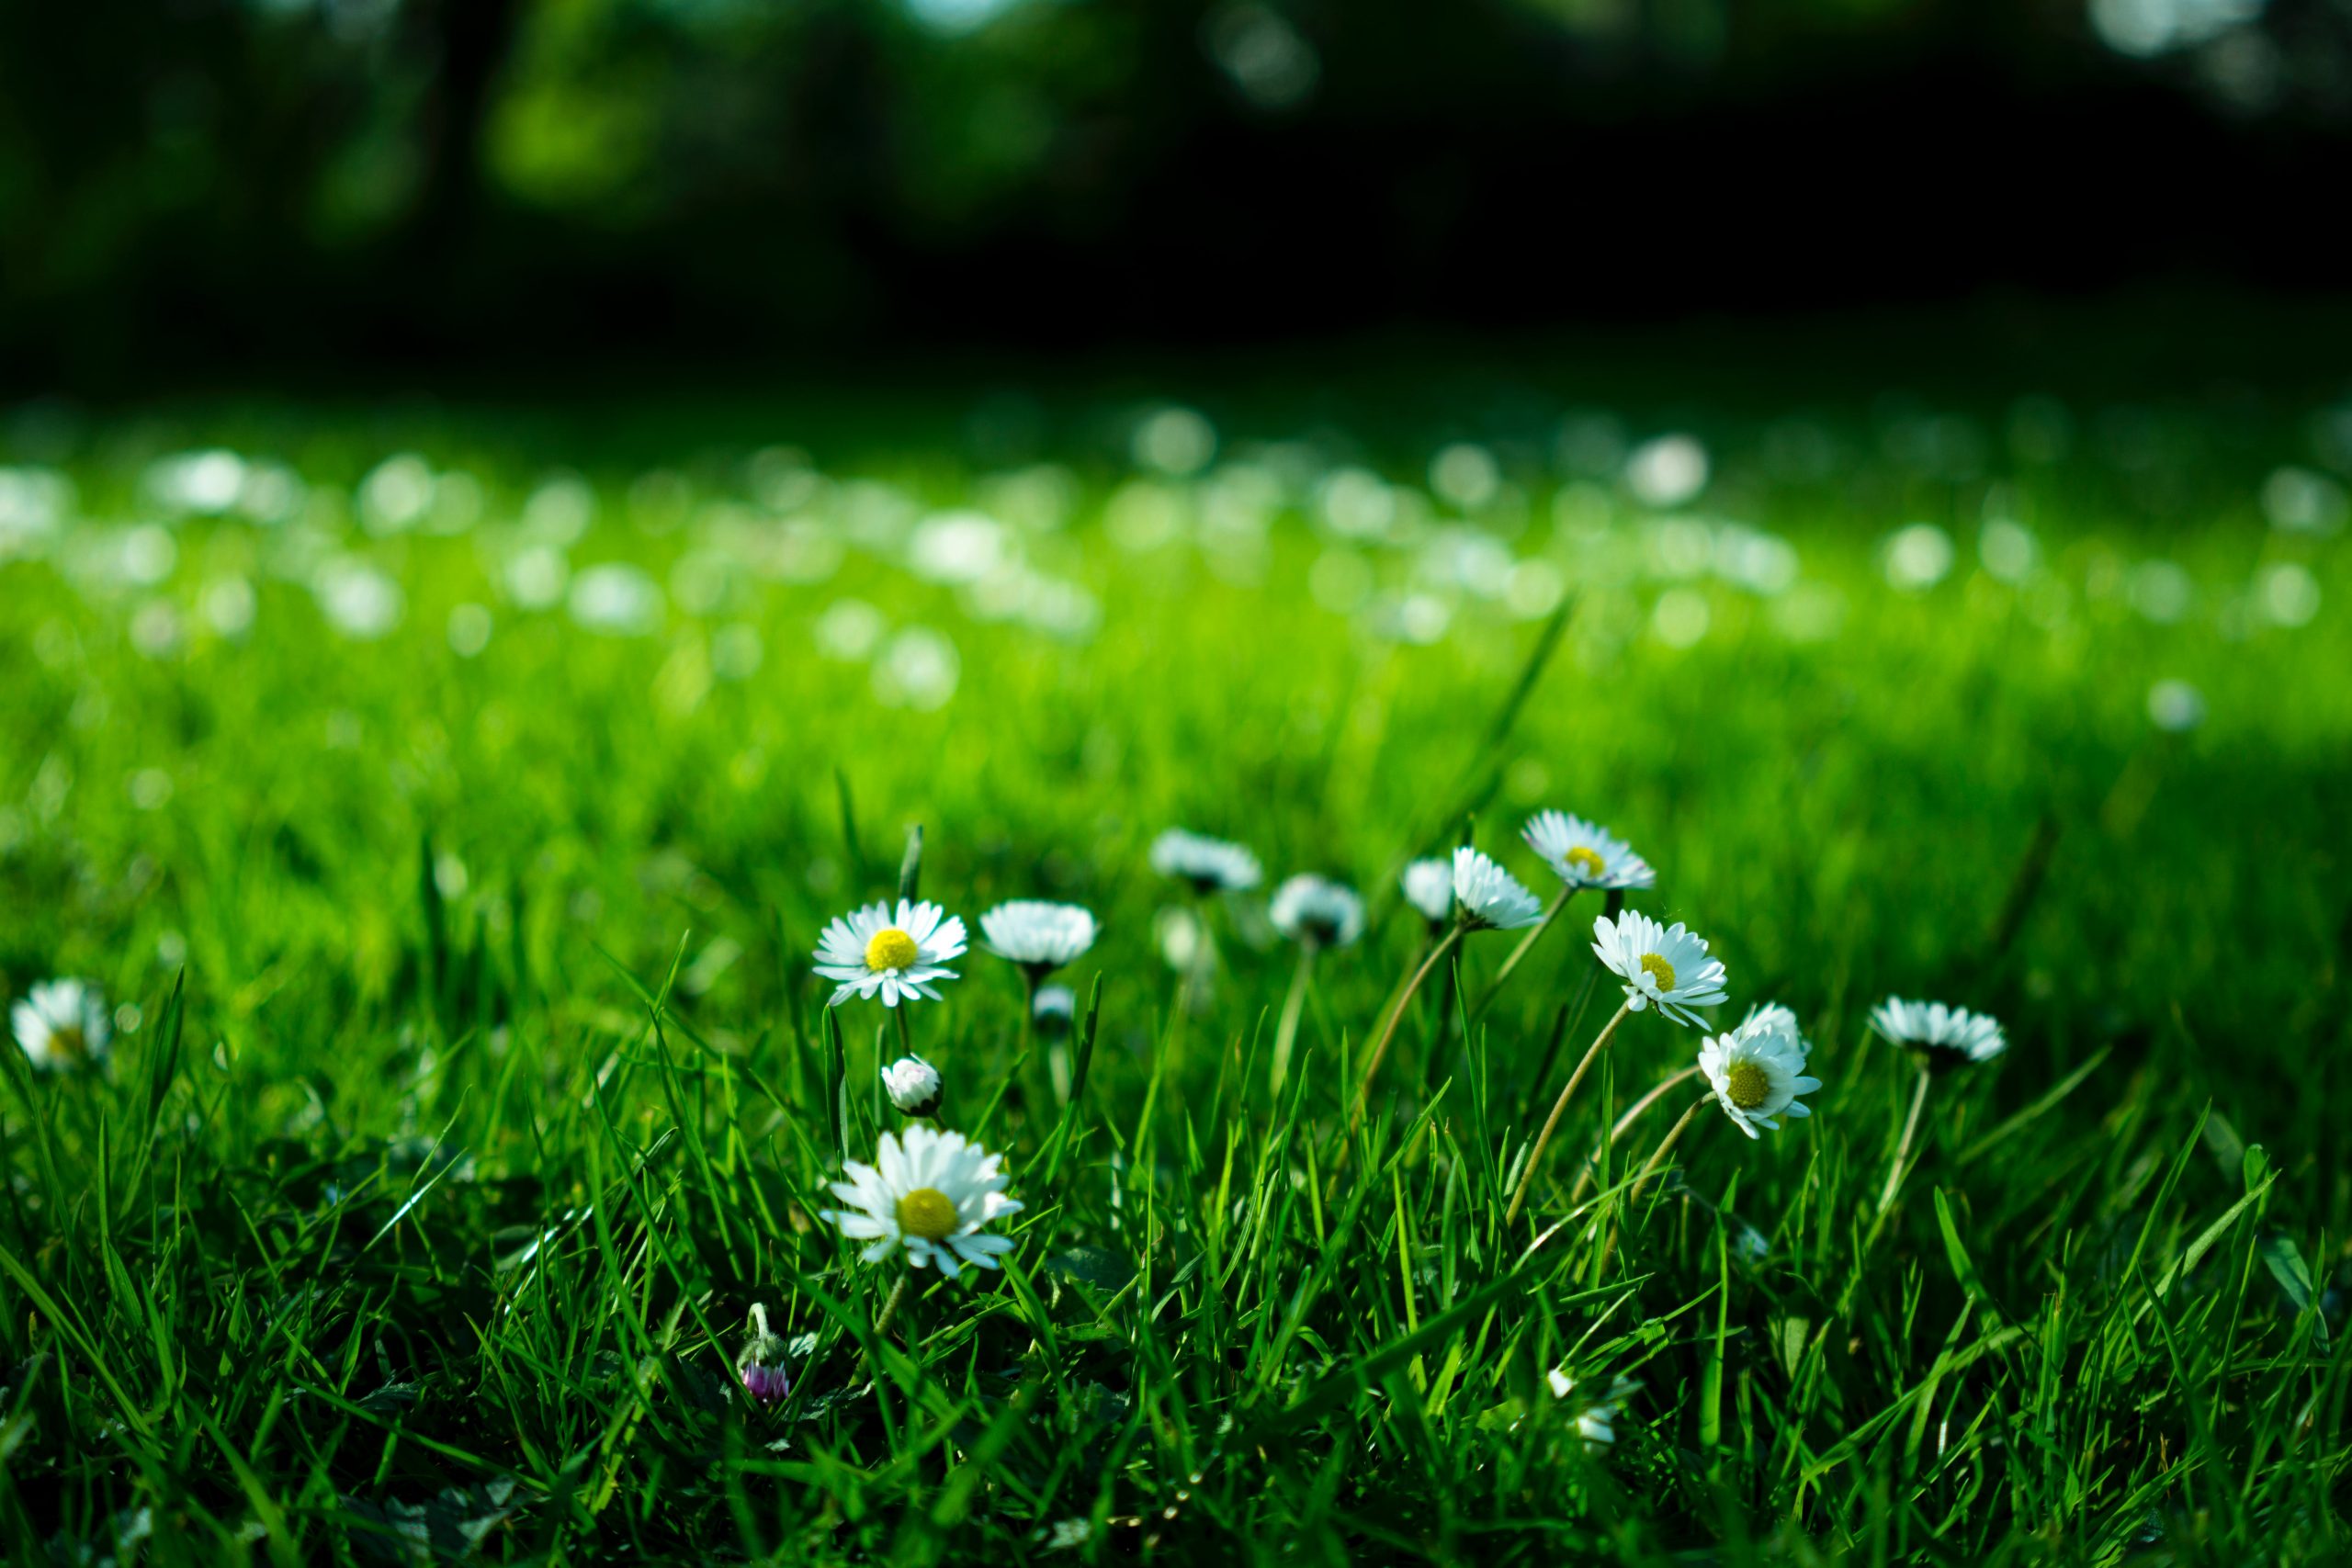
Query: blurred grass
pixel 435 1198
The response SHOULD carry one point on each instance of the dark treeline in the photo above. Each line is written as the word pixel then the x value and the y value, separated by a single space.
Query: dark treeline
pixel 349 182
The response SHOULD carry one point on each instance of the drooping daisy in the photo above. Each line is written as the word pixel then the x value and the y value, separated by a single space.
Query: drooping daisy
pixel 930 1192
pixel 1597 1412
pixel 1211 865
pixel 1429 887
pixel 1774 1014
pixel 1488 897
pixel 62 1025
pixel 913 1086
pixel 1317 909
pixel 1056 1009
pixel 1757 1071
pixel 1038 936
pixel 1666 967
pixel 1586 854
pixel 869 951
pixel 761 1367
pixel 1948 1036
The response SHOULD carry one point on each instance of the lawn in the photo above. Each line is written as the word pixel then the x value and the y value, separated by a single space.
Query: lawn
pixel 447 802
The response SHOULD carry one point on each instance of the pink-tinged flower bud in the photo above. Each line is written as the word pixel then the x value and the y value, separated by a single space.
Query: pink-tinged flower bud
pixel 762 1365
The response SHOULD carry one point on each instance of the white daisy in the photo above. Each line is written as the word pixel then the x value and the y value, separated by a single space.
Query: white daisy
pixel 1039 936
pixel 1596 1417
pixel 1056 1009
pixel 1586 854
pixel 1211 865
pixel 1317 909
pixel 1758 1070
pixel 1666 967
pixel 930 1192
pixel 1948 1034
pixel 1429 887
pixel 1488 897
pixel 869 951
pixel 62 1025
pixel 913 1086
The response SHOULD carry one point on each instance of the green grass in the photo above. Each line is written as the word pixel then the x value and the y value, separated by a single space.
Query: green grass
pixel 427 1217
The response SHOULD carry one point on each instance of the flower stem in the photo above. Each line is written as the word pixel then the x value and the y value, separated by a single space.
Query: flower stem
pixel 1380 1051
pixel 1286 1032
pixel 889 1311
pixel 1665 1146
pixel 1526 944
pixel 1543 1138
pixel 1633 1114
pixel 906 1030
pixel 1902 1149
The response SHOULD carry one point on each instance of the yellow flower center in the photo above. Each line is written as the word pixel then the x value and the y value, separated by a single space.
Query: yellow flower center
pixel 1747 1085
pixel 68 1042
pixel 1656 968
pixel 890 948
pixel 1586 863
pixel 928 1212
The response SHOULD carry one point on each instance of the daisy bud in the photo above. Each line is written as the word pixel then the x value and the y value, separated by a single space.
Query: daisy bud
pixel 1056 1010
pixel 913 1084
pixel 761 1367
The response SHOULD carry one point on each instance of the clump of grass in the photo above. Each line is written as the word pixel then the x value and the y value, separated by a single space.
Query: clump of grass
pixel 452 1180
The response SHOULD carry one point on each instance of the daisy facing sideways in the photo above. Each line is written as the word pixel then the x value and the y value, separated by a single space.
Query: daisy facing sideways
pixel 1488 897
pixel 1429 887
pixel 1211 865
pixel 1038 936
pixel 1948 1036
pixel 62 1025
pixel 1317 909
pixel 1586 854
pixel 875 951
pixel 1666 967
pixel 1758 1070
pixel 929 1193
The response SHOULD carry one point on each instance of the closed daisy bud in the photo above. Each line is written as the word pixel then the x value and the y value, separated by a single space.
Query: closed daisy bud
pixel 1585 854
pixel 761 1367
pixel 895 954
pixel 1429 887
pixel 1947 1036
pixel 1211 865
pixel 929 1194
pixel 913 1086
pixel 62 1026
pixel 1056 1010
pixel 1317 909
pixel 1758 1070
pixel 1038 936
pixel 1666 967
pixel 1488 897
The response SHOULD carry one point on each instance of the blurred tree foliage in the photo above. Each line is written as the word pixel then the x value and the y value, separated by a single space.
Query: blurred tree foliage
pixel 361 180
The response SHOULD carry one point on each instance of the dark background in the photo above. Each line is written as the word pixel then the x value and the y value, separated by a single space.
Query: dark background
pixel 241 189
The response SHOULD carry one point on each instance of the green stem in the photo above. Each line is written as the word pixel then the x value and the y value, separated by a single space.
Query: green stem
pixel 1286 1032
pixel 1526 944
pixel 1902 1149
pixel 1543 1139
pixel 1380 1051
pixel 1665 1146
pixel 1632 1115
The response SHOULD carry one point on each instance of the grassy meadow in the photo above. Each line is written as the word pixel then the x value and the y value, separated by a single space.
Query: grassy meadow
pixel 447 802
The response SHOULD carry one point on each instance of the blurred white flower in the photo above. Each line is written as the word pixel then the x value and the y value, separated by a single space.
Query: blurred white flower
pixel 1039 936
pixel 1945 1033
pixel 1317 909
pixel 1429 887
pixel 1586 854
pixel 62 1025
pixel 1210 865
pixel 1666 471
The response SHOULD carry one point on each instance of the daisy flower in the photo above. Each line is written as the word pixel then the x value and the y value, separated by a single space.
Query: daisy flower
pixel 1038 936
pixel 760 1368
pixel 1596 1420
pixel 1429 887
pixel 1211 865
pixel 1317 909
pixel 1488 896
pixel 1056 1009
pixel 1586 854
pixel 1666 967
pixel 1758 1070
pixel 62 1025
pixel 913 1086
pixel 1948 1035
pixel 931 1193
pixel 868 951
